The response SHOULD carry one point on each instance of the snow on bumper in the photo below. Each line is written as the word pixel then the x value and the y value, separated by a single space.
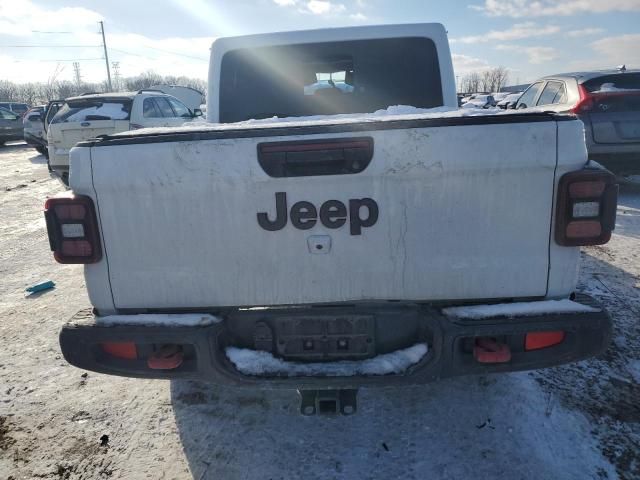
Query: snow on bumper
pixel 443 345
pixel 251 362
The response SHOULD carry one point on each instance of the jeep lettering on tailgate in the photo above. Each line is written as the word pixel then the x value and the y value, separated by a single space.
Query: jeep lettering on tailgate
pixel 333 214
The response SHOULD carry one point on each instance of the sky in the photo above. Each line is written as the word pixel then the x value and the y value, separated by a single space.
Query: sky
pixel 40 40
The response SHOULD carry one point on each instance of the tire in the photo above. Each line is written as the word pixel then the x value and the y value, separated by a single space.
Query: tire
pixel 41 150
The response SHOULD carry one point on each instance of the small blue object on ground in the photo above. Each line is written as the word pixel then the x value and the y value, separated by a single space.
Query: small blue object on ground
pixel 39 287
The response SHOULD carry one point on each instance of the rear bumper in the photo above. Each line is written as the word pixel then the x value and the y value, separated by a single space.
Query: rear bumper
pixel 10 137
pixel 448 339
pixel 59 158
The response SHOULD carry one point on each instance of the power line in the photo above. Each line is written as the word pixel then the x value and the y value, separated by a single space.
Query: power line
pixel 50 46
pixel 57 60
pixel 124 31
pixel 175 53
pixel 42 31
pixel 145 56
pixel 128 53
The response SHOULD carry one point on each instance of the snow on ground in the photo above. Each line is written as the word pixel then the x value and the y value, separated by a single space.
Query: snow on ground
pixel 252 362
pixel 518 309
pixel 579 421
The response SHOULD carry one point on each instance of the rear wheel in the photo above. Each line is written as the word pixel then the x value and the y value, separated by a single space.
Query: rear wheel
pixel 41 150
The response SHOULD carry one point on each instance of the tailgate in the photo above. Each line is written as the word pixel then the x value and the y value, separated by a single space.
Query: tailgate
pixel 616 119
pixel 71 133
pixel 196 221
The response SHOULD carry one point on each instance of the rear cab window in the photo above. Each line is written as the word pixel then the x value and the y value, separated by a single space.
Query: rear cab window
pixel 93 109
pixel 358 76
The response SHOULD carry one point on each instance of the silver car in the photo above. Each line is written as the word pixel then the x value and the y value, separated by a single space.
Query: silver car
pixel 608 103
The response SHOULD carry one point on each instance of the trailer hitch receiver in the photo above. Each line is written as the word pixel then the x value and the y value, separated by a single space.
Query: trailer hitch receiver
pixel 328 402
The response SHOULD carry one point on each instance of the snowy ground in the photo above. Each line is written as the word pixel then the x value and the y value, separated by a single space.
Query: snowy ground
pixel 579 421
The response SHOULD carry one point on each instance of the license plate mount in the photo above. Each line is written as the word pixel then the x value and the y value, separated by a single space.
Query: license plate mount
pixel 325 338
pixel 629 130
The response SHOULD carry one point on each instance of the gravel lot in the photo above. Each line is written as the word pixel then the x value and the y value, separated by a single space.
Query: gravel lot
pixel 579 421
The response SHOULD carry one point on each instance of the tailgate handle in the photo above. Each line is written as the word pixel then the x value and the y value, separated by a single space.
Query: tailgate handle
pixel 309 158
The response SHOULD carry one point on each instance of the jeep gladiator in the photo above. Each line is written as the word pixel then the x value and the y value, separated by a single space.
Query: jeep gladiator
pixel 325 247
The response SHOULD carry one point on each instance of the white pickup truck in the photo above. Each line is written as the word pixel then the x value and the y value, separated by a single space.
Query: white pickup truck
pixel 324 252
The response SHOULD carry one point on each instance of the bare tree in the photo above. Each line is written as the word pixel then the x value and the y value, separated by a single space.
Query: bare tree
pixel 8 90
pixel 144 80
pixel 500 78
pixel 29 93
pixel 471 82
pixel 490 80
pixel 54 88
pixel 50 89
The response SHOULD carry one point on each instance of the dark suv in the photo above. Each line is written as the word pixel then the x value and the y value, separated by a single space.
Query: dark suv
pixel 608 103
pixel 15 107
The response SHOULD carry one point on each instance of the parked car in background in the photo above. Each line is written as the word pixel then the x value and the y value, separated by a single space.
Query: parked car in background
pixel 34 133
pixel 498 96
pixel 88 116
pixel 467 98
pixel 607 102
pixel 15 107
pixel 480 101
pixel 509 101
pixel 10 126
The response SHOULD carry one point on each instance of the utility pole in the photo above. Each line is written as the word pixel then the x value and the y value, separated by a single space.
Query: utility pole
pixel 116 74
pixel 76 72
pixel 106 56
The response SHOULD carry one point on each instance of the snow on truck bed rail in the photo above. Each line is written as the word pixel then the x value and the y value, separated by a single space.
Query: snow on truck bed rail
pixel 252 362
pixel 396 112
pixel 544 307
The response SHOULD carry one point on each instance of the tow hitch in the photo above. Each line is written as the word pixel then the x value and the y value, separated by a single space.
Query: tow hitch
pixel 328 402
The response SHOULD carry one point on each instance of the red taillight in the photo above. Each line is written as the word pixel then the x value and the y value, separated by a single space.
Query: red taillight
pixel 586 208
pixel 489 350
pixel 73 229
pixel 123 350
pixel 585 102
pixel 538 340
